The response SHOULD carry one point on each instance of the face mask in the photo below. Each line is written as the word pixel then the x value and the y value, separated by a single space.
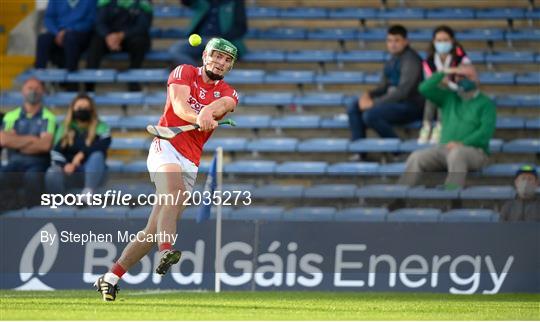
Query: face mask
pixel 82 115
pixel 33 98
pixel 443 47
pixel 525 189
pixel 466 85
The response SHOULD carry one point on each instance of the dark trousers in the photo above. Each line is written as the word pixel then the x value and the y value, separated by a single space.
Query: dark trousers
pixel 381 118
pixel 136 46
pixel 26 175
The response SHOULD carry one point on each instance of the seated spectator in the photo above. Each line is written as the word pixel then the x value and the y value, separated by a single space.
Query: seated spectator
pixel 444 52
pixel 469 118
pixel 526 206
pixel 80 147
pixel 69 27
pixel 396 100
pixel 121 26
pixel 211 18
pixel 27 134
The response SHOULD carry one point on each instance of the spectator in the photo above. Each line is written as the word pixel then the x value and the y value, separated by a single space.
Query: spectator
pixel 526 206
pixel 444 52
pixel 396 100
pixel 69 27
pixel 121 26
pixel 80 146
pixel 212 18
pixel 27 134
pixel 469 118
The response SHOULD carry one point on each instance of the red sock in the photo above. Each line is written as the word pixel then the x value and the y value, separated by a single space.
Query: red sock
pixel 165 246
pixel 118 270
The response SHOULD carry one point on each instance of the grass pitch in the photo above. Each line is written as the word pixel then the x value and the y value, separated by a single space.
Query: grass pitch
pixel 141 305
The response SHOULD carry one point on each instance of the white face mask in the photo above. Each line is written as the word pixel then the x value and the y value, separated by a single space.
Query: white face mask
pixel 525 189
pixel 442 47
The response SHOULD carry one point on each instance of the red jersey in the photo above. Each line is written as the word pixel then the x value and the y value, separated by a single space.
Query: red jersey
pixel 190 144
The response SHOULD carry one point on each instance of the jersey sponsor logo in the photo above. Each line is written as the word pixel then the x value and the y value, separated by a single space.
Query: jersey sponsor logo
pixel 195 104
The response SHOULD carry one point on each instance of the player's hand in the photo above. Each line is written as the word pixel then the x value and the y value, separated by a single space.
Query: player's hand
pixel 59 39
pixel 452 145
pixel 69 168
pixel 206 121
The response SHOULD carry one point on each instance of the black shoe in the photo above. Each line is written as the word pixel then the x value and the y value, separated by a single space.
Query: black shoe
pixel 107 290
pixel 168 259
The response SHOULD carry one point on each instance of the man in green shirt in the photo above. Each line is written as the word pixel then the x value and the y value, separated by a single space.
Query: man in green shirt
pixel 469 118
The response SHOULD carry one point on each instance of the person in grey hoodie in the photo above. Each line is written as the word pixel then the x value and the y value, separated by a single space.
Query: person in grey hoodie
pixel 396 100
pixel 526 206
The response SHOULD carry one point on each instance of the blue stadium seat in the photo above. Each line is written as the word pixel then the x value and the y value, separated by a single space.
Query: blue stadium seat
pixel 340 77
pixel 392 169
pixel 283 33
pixel 137 166
pixel 533 14
pixel 112 120
pixel 257 213
pixel 47 212
pixel 296 121
pixel 173 33
pixel 143 75
pixel 319 99
pixel 353 168
pixel 155 99
pixel 129 144
pixel 264 56
pixel 353 13
pixel 523 34
pixel 92 75
pixel 290 77
pixel 228 144
pixel 14 99
pixel 304 13
pixel 501 169
pixel 401 13
pixel 522 146
pixel 340 121
pixel 251 167
pixel 495 145
pixel 412 145
pixel 383 191
pixel 192 212
pixel 510 122
pixel 239 76
pixel 488 193
pixel 262 12
pixel 432 193
pixel 333 34
pixel 241 187
pixel 518 100
pixel 101 213
pixel 120 98
pixel 45 75
pixel 253 121
pixel 450 13
pixel 304 56
pixel 157 55
pixel 372 78
pixel 269 98
pixel 502 78
pixel 138 122
pixel 279 191
pixel 414 215
pixel 139 212
pixel 323 145
pixel 532 124
pixel 155 32
pixel 168 11
pixel 500 13
pixel 362 214
pixel 331 191
pixel 532 78
pixel 374 145
pixel 476 56
pixel 310 214
pixel 420 35
pixel 512 57
pixel 481 34
pixel 115 166
pixel 469 215
pixel 361 56
pixel 273 145
pixel 18 213
pixel 302 168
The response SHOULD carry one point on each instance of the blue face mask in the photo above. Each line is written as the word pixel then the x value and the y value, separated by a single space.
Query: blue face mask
pixel 466 85
pixel 443 47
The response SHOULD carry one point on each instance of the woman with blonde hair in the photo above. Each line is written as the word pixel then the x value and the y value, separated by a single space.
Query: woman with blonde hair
pixel 80 146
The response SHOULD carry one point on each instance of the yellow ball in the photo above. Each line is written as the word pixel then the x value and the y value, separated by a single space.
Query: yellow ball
pixel 195 40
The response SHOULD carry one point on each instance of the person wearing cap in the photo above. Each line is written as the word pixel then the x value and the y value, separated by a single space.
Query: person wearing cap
pixel 526 205
pixel 469 118
pixel 195 95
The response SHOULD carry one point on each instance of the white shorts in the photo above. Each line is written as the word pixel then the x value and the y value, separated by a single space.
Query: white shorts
pixel 162 152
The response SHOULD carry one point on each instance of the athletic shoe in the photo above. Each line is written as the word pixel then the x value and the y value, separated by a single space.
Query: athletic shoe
pixel 425 131
pixel 168 259
pixel 436 134
pixel 107 290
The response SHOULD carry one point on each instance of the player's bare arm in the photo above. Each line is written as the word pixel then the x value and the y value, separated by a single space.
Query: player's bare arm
pixel 221 107
pixel 179 95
